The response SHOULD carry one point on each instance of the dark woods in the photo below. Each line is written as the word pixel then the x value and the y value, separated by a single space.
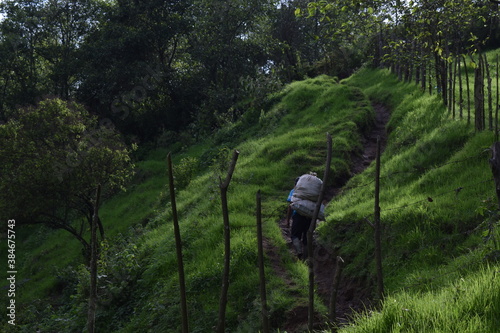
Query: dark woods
pixel 169 71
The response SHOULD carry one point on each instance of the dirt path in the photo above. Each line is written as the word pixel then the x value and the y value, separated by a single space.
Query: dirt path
pixel 353 295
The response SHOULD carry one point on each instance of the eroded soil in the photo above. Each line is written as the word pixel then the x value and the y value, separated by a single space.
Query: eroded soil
pixel 353 296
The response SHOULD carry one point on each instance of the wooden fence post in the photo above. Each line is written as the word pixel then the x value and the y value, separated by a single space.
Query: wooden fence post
pixel 93 265
pixel 310 248
pixel 335 289
pixel 378 245
pixel 263 297
pixel 495 168
pixel 227 244
pixel 178 247
pixel 497 101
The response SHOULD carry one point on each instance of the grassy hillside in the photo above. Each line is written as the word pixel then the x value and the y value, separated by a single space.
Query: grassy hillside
pixel 138 276
pixel 441 232
pixel 437 194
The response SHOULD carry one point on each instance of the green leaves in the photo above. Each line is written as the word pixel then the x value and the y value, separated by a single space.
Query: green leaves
pixel 56 154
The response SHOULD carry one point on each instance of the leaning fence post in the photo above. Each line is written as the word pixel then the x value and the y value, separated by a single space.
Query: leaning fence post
pixel 178 247
pixel 263 297
pixel 310 249
pixel 227 244
pixel 378 245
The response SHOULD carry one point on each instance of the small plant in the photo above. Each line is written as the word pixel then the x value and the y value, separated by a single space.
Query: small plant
pixel 490 229
pixel 185 170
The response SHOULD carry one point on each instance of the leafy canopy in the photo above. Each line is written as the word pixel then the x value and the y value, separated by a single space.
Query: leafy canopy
pixel 53 157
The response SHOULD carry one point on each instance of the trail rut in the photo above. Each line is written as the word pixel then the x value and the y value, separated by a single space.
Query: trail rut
pixel 353 295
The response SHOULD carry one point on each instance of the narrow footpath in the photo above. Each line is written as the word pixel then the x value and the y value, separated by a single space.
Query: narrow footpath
pixel 353 295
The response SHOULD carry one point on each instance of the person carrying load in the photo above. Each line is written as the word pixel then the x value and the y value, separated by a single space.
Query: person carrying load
pixel 303 198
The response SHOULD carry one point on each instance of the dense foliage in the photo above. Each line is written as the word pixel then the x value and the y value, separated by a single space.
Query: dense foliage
pixel 162 67
pixel 153 67
pixel 53 158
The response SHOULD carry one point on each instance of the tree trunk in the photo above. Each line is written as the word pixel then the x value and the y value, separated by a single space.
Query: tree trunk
pixel 453 73
pixel 479 95
pixel 460 88
pixel 497 102
pixel 468 91
pixel 430 78
pixel 424 74
pixel 490 95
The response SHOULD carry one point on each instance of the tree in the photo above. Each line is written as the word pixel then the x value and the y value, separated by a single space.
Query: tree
pixel 21 31
pixel 134 67
pixel 225 46
pixel 346 28
pixel 53 158
pixel 294 43
pixel 66 24
pixel 40 44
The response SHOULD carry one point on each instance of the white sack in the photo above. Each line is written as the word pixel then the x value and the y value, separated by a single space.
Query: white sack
pixel 308 187
pixel 306 208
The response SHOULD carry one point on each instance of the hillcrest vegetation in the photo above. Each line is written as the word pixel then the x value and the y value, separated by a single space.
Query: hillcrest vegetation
pixel 439 242
pixel 399 99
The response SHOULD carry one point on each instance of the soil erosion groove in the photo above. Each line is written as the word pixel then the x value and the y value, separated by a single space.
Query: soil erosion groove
pixel 353 295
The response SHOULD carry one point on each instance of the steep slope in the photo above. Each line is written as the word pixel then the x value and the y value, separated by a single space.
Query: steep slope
pixel 440 230
pixel 435 181
pixel 352 296
pixel 138 279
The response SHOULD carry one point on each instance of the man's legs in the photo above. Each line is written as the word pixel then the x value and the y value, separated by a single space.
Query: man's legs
pixel 300 226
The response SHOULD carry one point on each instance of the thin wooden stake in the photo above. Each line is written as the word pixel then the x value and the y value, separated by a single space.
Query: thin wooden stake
pixel 461 98
pixel 93 265
pixel 310 232
pixel 378 243
pixel 263 297
pixel 335 289
pixel 495 168
pixel 227 244
pixel 497 103
pixel 178 247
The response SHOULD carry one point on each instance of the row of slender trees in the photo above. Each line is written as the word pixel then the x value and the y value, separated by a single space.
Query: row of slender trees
pixel 440 45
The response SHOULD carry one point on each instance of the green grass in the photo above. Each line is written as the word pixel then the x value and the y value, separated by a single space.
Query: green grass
pixel 269 163
pixel 435 183
pixel 434 179
pixel 467 304
pixel 139 271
